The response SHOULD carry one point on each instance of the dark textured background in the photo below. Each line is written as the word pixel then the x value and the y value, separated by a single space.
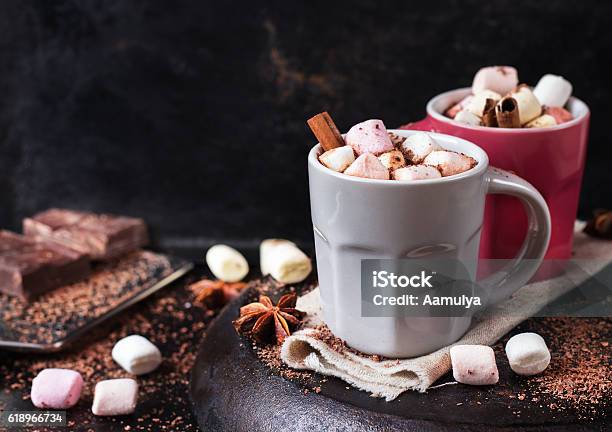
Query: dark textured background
pixel 191 113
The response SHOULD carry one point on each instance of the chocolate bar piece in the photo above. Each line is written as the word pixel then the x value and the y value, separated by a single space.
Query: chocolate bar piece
pixel 100 236
pixel 30 266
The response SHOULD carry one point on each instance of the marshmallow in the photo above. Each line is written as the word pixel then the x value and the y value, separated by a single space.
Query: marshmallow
pixel 416 172
pixel 338 159
pixel 528 105
pixel 561 115
pixel 137 355
pixel 417 146
pixel 368 166
pixel 452 111
pixel 467 118
pixel 56 388
pixel 543 121
pixel 115 397
pixel 474 364
pixel 282 260
pixel 500 79
pixel 392 160
pixel 479 101
pixel 553 90
pixel 369 136
pixel 226 263
pixel 448 162
pixel 527 353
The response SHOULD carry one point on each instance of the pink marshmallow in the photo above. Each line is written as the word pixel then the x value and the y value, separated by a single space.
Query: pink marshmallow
pixel 56 388
pixel 368 166
pixel 561 115
pixel 369 136
pixel 500 79
pixel 448 162
pixel 463 103
pixel 474 364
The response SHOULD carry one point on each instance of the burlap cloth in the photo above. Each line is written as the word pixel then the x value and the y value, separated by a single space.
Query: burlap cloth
pixel 390 377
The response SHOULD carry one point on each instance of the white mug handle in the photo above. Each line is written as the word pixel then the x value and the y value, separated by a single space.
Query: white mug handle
pixel 528 259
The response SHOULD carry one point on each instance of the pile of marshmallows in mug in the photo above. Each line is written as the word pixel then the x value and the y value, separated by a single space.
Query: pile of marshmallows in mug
pixel 417 157
pixel 497 100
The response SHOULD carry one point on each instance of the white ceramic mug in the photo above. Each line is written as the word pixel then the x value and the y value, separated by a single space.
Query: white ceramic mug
pixel 356 218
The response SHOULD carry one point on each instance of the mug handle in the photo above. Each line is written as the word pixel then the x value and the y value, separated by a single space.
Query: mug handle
pixel 527 261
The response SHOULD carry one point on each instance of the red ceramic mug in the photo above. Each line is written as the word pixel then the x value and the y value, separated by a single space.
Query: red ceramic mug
pixel 551 159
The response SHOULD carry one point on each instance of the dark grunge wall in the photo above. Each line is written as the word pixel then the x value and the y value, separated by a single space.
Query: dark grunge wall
pixel 191 113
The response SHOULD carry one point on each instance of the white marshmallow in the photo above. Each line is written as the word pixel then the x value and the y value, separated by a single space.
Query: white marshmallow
pixel 368 166
pixel 478 102
pixel 226 263
pixel 392 160
pixel 474 364
pixel 416 172
pixel 528 105
pixel 115 397
pixel 417 146
pixel 501 79
pixel 543 121
pixel 527 353
pixel 338 159
pixel 283 261
pixel 466 117
pixel 136 354
pixel 448 162
pixel 553 90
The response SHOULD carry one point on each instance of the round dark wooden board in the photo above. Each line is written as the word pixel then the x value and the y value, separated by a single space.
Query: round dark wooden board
pixel 233 390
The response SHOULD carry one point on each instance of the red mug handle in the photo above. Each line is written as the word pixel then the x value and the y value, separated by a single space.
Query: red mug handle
pixel 423 125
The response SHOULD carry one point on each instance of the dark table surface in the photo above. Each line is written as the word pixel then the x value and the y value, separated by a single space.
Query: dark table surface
pixel 176 324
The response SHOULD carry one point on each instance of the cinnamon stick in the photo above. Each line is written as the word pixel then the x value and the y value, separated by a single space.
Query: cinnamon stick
pixel 324 128
pixel 488 115
pixel 507 113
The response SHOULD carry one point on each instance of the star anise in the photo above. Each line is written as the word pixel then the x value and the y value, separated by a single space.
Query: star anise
pixel 217 293
pixel 266 322
pixel 601 224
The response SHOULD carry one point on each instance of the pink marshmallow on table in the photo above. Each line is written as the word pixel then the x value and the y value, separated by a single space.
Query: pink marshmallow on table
pixel 448 162
pixel 115 397
pixel 561 115
pixel 368 166
pixel 474 364
pixel 369 136
pixel 56 388
pixel 500 79
pixel 416 172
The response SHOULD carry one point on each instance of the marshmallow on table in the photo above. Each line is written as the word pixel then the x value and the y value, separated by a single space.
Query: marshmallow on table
pixel 527 353
pixel 226 263
pixel 137 355
pixel 56 388
pixel 392 160
pixel 561 115
pixel 500 79
pixel 468 118
pixel 479 101
pixel 368 166
pixel 553 90
pixel 474 364
pixel 115 397
pixel 528 105
pixel 369 136
pixel 417 146
pixel 452 111
pixel 282 260
pixel 543 121
pixel 448 162
pixel 416 172
pixel 338 159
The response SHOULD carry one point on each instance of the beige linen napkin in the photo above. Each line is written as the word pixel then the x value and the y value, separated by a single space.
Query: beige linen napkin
pixel 390 378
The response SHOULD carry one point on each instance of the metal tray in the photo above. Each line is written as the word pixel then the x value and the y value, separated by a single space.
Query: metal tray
pixel 23 328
